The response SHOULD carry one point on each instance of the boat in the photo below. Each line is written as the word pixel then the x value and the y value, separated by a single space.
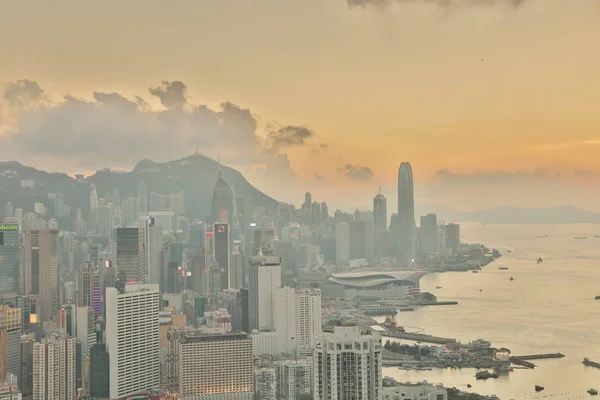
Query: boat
pixel 485 375
pixel 542 236
pixel 475 271
pixel 503 268
pixel 512 279
pixel 438 287
pixel 469 385
pixel 593 392
pixel 580 237
pixel 481 290
pixel 597 297
pixel 540 259
pixel 538 388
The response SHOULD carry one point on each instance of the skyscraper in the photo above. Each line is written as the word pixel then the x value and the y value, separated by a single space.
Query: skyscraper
pixel 405 248
pixel 428 234
pixel 380 213
pixel 142 203
pixel 264 277
pixel 54 368
pixel 222 251
pixel 130 254
pixel 88 280
pixel 223 201
pixel 297 320
pixel 41 272
pixel 132 339
pixel 347 365
pixel 342 243
pixel 10 256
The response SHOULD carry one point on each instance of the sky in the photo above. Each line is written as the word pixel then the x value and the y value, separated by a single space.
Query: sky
pixel 494 102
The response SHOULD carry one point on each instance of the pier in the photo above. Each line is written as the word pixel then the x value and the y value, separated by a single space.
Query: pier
pixel 418 337
pixel 540 356
pixel 518 361
pixel 591 363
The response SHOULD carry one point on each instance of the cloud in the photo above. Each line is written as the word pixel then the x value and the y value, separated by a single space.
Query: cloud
pixel 381 4
pixel 113 130
pixel 290 136
pixel 357 173
pixel 171 94
pixel 509 177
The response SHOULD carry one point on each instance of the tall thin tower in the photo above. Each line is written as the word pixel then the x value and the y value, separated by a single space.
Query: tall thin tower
pixel 406 214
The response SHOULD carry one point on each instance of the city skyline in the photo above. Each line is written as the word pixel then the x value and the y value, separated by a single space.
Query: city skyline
pixel 473 113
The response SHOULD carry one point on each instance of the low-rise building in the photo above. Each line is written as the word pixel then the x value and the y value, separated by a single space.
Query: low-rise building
pixel 414 391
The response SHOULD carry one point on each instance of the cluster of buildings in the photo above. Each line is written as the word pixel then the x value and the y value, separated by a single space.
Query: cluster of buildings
pixel 137 301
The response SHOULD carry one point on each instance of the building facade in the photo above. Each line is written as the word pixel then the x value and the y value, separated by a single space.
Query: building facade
pixel 264 277
pixel 54 368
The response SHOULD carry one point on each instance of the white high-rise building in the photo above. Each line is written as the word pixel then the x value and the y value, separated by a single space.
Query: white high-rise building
pixel 54 368
pixel 154 244
pixel 347 365
pixel 264 276
pixel 215 366
pixel 132 339
pixel 265 383
pixel 342 243
pixel 297 320
pixel 86 329
pixel 294 378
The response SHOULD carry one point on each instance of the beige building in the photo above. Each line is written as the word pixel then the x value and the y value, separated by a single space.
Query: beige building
pixel 215 366
pixel 54 368
pixel 41 274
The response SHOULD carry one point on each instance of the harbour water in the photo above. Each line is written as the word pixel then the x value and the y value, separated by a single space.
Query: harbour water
pixel 549 307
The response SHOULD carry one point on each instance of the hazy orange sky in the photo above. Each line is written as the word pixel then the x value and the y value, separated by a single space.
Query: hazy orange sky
pixel 491 105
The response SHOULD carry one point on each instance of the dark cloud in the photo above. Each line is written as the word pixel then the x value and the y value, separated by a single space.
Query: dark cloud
pixel 112 129
pixel 357 173
pixel 171 94
pixel 290 136
pixel 438 3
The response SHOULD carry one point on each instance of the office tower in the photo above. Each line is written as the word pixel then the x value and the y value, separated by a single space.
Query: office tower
pixel 183 229
pixel 324 212
pixel 347 364
pixel 54 368
pixel 428 234
pixel 264 276
pixel 362 239
pixel 222 251
pixel 9 210
pixel 237 279
pixel 285 251
pixel 86 329
pixel 342 243
pixel 10 341
pixel 315 212
pixel 142 200
pixel 67 319
pixel 130 254
pixel 198 268
pixel 294 378
pixel 245 301
pixel 223 201
pixel 453 237
pixel 265 383
pixel 40 261
pixel 88 281
pixel 215 366
pixel 10 258
pixel 406 214
pixel 132 339
pixel 99 372
pixel 380 213
pixel 177 202
pixel 154 245
pixel 26 376
pixel 297 320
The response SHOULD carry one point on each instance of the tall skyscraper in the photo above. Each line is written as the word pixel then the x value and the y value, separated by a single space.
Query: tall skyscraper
pixel 342 243
pixel 40 262
pixel 130 254
pixel 380 217
pixel 54 368
pixel 153 248
pixel 215 366
pixel 297 320
pixel 406 214
pixel 99 371
pixel 264 277
pixel 10 258
pixel 88 285
pixel 132 339
pixel 142 203
pixel 347 365
pixel 222 251
pixel 223 201
pixel 10 341
pixel 428 234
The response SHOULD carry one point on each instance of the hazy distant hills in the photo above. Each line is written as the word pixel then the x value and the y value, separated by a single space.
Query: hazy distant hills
pixel 515 215
pixel 195 175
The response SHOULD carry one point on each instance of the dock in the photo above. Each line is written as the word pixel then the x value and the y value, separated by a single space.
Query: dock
pixel 591 363
pixel 418 337
pixel 518 361
pixel 540 356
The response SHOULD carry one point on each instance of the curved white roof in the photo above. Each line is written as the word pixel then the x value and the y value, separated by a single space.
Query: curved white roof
pixel 375 278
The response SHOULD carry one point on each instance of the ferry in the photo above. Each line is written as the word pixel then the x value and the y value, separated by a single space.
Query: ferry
pixel 485 375
pixel 512 279
pixel 597 297
pixel 503 268
pixel 539 260
pixel 542 236
pixel 580 237
pixel 538 388
pixel 593 392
